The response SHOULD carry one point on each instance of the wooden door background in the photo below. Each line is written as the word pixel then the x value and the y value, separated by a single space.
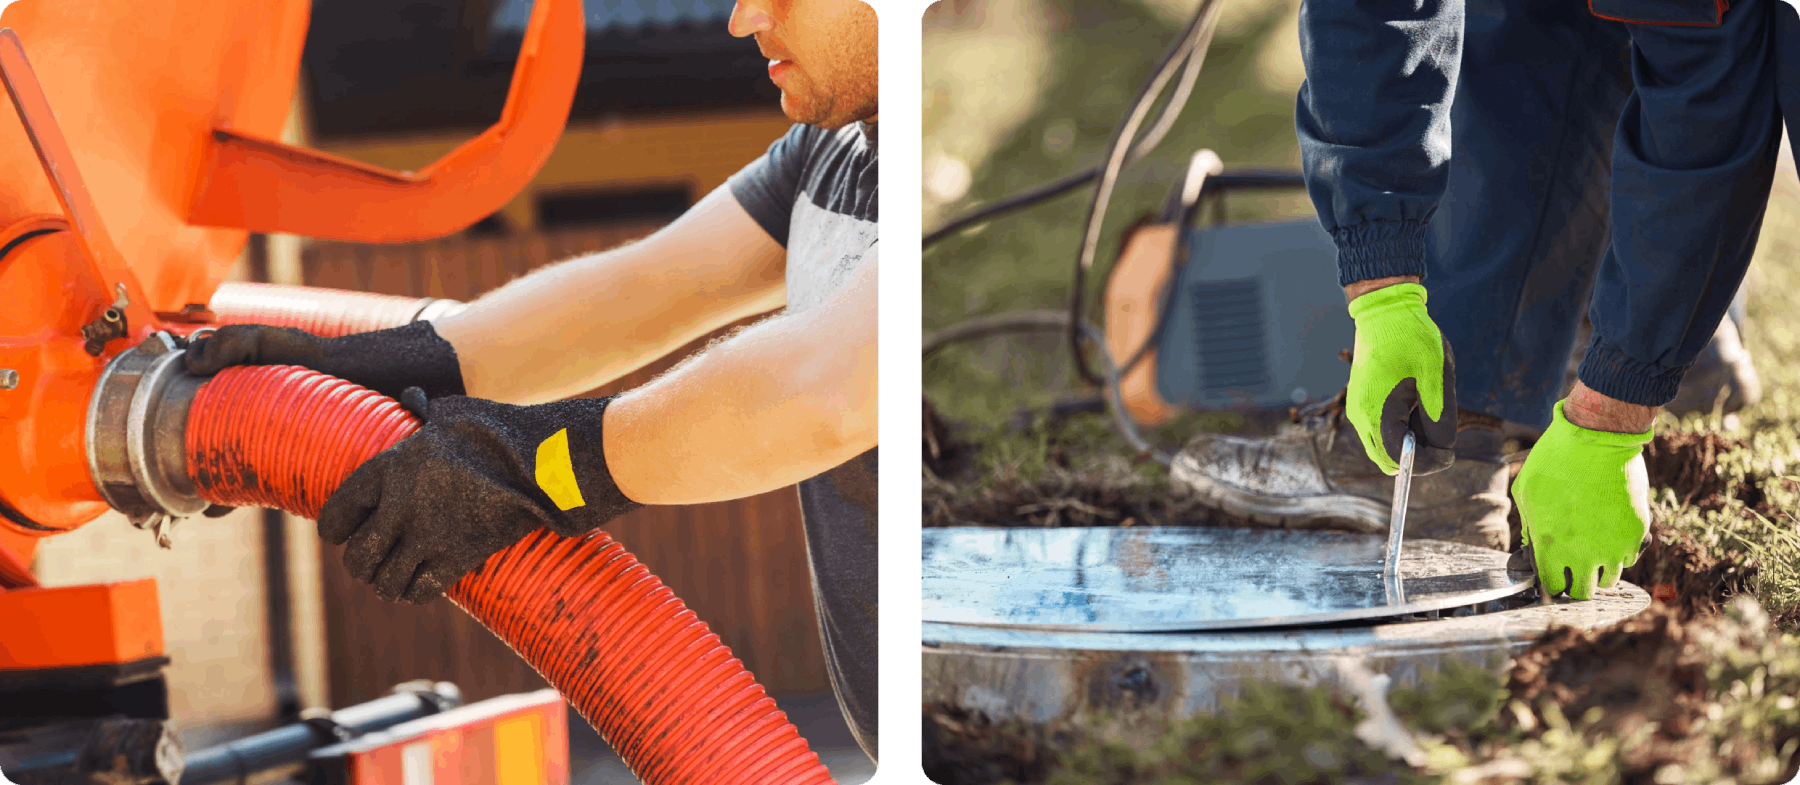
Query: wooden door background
pixel 740 565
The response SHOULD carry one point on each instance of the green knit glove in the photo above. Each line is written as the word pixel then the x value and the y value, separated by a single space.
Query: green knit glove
pixel 1401 376
pixel 1584 501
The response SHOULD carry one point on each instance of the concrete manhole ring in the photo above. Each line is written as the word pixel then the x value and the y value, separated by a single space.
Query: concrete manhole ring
pixel 1040 675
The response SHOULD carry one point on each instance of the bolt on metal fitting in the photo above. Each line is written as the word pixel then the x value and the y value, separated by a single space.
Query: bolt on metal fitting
pixel 9 378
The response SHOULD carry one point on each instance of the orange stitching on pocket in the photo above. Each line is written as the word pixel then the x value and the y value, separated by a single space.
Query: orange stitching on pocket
pixel 1720 6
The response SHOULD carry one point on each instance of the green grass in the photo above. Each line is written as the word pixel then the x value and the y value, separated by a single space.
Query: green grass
pixel 1269 734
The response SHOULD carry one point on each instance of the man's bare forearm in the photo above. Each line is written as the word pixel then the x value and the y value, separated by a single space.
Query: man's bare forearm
pixel 776 403
pixel 576 325
pixel 1361 288
pixel 756 411
pixel 1596 412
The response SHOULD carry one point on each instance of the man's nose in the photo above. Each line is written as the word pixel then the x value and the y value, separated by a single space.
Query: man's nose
pixel 749 18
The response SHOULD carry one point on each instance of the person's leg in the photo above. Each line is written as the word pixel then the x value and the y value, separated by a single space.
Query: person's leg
pixel 1522 226
pixel 1693 162
pixel 1722 375
pixel 1372 120
pixel 1510 259
pixel 1784 26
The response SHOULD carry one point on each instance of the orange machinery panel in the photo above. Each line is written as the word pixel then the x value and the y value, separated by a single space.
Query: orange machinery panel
pixel 169 111
pixel 72 626
pixel 138 88
pixel 139 150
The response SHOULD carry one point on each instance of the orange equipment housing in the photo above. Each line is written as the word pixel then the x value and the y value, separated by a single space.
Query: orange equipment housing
pixel 142 157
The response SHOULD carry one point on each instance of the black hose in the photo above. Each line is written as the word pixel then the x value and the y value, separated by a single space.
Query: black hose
pixel 1165 120
pixel 237 761
pixel 1054 321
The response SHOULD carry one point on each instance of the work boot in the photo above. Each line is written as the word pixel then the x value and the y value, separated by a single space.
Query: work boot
pixel 1316 475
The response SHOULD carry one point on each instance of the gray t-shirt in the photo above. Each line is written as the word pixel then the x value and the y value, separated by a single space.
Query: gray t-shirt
pixel 814 192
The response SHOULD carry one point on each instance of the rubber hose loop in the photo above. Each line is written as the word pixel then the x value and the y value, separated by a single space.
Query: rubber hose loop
pixel 324 312
pixel 621 648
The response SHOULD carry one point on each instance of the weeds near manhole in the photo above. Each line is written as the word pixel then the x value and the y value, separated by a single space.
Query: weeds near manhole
pixel 1269 733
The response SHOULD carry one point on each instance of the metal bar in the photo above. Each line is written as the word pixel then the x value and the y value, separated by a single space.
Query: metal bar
pixel 1390 567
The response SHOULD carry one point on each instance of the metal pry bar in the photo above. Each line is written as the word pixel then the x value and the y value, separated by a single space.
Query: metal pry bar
pixel 1390 567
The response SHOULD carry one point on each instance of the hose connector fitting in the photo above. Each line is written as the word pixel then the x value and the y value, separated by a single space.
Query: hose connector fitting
pixel 136 425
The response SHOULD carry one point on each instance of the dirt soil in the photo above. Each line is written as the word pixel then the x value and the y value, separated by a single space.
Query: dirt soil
pixel 964 747
pixel 1653 671
pixel 1674 568
pixel 1646 669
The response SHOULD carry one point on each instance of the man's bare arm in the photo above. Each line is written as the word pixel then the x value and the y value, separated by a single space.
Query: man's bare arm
pixel 576 325
pixel 778 402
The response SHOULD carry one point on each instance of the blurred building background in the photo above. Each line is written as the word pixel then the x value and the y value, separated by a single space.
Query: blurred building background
pixel 260 621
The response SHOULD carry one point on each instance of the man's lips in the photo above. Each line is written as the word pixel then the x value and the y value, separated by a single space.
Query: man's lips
pixel 777 68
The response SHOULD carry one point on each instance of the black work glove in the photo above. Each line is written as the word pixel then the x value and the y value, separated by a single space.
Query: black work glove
pixel 386 361
pixel 478 477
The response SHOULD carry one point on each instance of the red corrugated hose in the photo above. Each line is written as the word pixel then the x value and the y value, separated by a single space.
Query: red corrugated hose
pixel 618 645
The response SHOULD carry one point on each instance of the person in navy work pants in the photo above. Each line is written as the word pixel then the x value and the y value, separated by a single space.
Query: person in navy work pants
pixel 1523 163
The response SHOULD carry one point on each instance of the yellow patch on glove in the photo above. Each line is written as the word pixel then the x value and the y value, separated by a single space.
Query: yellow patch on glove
pixel 556 472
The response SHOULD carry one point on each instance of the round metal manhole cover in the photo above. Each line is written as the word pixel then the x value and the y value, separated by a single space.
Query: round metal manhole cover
pixel 1170 578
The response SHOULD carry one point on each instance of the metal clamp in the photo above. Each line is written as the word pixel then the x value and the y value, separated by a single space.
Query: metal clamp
pixel 136 429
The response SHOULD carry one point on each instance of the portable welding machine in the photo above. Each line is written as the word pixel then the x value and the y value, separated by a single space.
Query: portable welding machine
pixel 1208 316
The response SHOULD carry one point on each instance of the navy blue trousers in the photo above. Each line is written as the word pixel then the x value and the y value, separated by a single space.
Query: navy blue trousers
pixel 1531 158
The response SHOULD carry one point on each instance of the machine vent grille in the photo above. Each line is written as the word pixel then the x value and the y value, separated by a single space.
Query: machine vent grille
pixel 1228 328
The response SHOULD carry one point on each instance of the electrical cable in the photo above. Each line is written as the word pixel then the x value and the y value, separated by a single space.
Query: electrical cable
pixel 1054 321
pixel 1165 121
pixel 1195 40
pixel 1115 399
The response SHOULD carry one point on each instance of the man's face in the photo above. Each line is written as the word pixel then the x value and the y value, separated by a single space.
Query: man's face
pixel 821 54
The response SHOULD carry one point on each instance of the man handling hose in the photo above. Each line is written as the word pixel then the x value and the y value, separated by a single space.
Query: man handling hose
pixel 1615 156
pixel 791 399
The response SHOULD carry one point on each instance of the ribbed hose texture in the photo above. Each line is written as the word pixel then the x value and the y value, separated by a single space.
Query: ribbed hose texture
pixel 618 645
pixel 324 312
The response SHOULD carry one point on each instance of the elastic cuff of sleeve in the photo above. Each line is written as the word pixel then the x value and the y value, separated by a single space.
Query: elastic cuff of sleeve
pixel 1379 249
pixel 1608 372
pixel 1632 441
pixel 583 419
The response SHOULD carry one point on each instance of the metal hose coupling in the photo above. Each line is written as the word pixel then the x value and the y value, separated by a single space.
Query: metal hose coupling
pixel 136 425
